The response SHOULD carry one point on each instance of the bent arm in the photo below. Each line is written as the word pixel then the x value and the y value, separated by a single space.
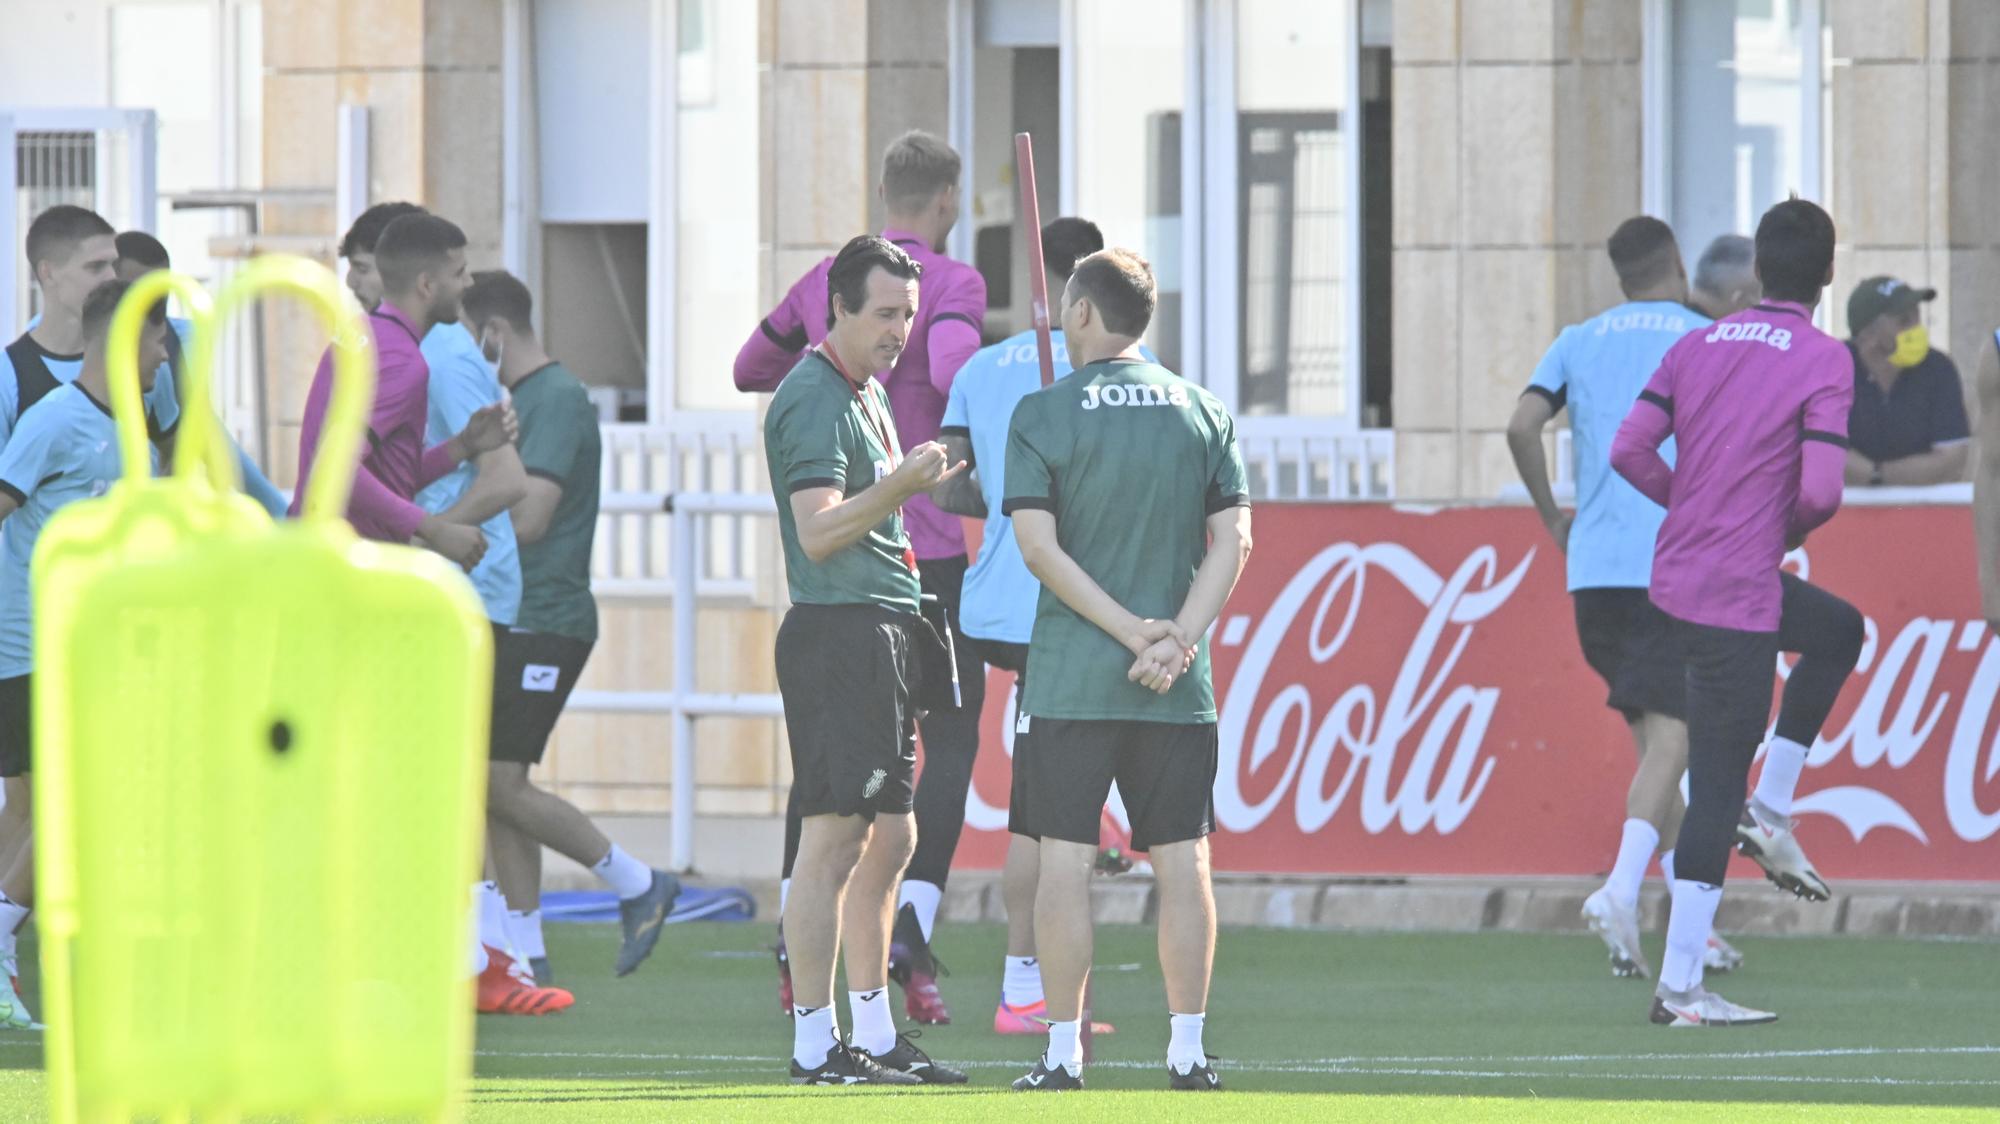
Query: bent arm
pixel 1635 452
pixel 1228 553
pixel 500 484
pixel 1524 440
pixel 1035 533
pixel 960 495
pixel 1943 465
pixel 828 524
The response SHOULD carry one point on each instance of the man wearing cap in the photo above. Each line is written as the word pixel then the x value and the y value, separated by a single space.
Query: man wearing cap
pixel 1909 426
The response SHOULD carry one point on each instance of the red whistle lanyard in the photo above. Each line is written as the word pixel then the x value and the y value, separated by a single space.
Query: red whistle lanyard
pixel 880 425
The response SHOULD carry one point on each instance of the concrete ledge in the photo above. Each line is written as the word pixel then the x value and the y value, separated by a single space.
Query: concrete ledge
pixel 1962 910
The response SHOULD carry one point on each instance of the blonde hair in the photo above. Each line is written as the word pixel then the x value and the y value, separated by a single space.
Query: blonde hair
pixel 915 167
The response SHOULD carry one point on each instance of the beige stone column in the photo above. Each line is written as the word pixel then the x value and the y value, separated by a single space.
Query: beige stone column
pixel 1517 152
pixel 1915 159
pixel 429 71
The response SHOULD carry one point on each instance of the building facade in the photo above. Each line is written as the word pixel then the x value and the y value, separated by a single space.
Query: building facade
pixel 1368 217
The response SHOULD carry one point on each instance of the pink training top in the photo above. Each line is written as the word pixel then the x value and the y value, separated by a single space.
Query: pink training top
pixel 396 465
pixel 951 304
pixel 1757 406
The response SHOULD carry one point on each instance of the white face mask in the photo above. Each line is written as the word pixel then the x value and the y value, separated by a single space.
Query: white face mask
pixel 493 349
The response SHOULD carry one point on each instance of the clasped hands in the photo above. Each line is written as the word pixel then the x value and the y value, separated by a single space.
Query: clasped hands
pixel 1164 655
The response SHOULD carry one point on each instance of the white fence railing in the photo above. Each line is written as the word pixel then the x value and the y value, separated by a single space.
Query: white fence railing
pixel 707 453
pixel 1302 459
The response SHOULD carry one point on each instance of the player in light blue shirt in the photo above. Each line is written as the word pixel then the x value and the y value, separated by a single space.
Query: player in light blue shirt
pixel 62 449
pixel 997 610
pixel 1595 370
pixel 462 383
pixel 139 253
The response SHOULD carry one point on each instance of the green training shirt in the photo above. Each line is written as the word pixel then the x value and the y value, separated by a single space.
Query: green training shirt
pixel 1132 459
pixel 821 433
pixel 560 443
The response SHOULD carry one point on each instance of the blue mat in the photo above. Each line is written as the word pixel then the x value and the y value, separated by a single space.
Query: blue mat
pixel 696 903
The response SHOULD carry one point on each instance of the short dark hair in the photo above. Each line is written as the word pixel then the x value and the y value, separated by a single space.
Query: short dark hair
pixel 1119 284
pixel 1066 241
pixel 1643 252
pixel 1794 250
pixel 141 247
pixel 102 303
pixel 56 232
pixel 412 244
pixel 847 281
pixel 368 227
pixel 915 167
pixel 496 292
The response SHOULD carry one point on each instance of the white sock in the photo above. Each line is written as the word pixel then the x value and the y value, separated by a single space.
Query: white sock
pixel 493 920
pixel 874 1028
pixel 784 895
pixel 1667 866
pixel 1184 1051
pixel 1784 760
pixel 12 914
pixel 1634 851
pixel 627 876
pixel 1688 927
pixel 1066 1046
pixel 525 930
pixel 478 958
pixel 813 1033
pixel 924 896
pixel 1021 985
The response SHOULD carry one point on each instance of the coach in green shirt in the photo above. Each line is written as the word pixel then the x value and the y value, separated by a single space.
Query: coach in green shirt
pixel 1127 496
pixel 846 663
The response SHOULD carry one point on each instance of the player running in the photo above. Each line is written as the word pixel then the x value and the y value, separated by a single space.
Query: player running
pixel 847 664
pixel 63 448
pixel 1596 370
pixel 541 657
pixel 919 192
pixel 1757 405
pixel 1128 500
pixel 1000 593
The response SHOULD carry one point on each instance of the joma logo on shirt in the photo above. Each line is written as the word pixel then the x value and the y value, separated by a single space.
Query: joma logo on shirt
pixel 1137 394
pixel 1750 331
pixel 1641 322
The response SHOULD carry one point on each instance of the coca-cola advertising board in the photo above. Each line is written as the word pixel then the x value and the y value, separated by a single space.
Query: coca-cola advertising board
pixel 1401 692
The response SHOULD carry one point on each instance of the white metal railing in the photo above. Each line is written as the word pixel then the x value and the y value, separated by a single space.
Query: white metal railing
pixel 710 453
pixel 1302 459
pixel 683 513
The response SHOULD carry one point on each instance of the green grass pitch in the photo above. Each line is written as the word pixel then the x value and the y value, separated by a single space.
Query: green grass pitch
pixel 1309 1026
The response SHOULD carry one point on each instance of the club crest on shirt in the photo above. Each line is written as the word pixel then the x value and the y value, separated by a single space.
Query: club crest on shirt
pixel 874 785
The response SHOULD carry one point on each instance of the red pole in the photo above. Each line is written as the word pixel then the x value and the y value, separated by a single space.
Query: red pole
pixel 1038 289
pixel 1038 285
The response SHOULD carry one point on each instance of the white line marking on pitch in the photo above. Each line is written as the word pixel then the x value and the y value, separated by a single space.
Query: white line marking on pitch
pixel 1372 1059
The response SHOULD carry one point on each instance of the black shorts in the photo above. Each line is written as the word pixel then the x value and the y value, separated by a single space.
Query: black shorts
pixel 533 674
pixel 1063 769
pixel 1635 649
pixel 16 735
pixel 1005 655
pixel 847 675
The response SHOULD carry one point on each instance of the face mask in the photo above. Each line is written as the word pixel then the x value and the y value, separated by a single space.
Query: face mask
pixel 492 349
pixel 1912 344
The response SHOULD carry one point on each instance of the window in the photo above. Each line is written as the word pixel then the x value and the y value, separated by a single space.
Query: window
pixel 1131 66
pixel 1741 126
pixel 718 199
pixel 1295 160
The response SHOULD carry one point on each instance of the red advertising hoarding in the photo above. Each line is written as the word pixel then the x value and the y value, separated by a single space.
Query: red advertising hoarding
pixel 1401 692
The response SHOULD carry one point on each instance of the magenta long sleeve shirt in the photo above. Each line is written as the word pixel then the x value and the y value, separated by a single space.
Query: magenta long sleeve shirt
pixel 1757 405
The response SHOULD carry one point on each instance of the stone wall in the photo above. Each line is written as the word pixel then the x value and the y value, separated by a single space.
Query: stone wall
pixel 1517 127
